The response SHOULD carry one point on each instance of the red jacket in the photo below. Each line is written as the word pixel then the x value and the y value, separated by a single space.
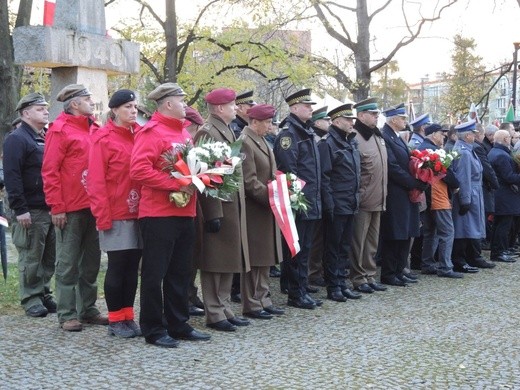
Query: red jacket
pixel 65 163
pixel 113 196
pixel 155 138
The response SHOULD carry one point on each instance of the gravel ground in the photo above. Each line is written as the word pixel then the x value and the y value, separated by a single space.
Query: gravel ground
pixel 438 334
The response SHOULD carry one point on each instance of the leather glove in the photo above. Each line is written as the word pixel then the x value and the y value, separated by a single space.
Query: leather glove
pixel 464 208
pixel 213 226
pixel 421 185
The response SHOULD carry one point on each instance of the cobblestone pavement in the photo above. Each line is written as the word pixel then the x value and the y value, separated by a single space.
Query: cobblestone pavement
pixel 441 333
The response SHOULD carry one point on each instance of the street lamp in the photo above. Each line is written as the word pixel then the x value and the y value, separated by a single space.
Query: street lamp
pixel 515 70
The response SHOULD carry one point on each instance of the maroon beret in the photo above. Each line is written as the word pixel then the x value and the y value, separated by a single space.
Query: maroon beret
pixel 220 96
pixel 193 116
pixel 261 112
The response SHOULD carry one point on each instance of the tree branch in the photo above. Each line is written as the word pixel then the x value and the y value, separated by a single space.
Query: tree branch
pixel 148 7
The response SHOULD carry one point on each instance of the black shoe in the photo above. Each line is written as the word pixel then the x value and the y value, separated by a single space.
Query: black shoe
pixel 336 296
pixel 237 321
pixel 318 282
pixel 284 290
pixel 274 310
pixel 365 288
pixel 451 274
pixel 502 258
pixel 301 303
pixel 393 282
pixel 222 326
pixel 429 271
pixel 312 289
pixel 511 253
pixel 480 262
pixel 466 268
pixel 164 342
pixel 259 315
pixel 37 310
pixel 236 298
pixel 410 275
pixel 120 329
pixel 196 301
pixel 317 302
pixel 274 272
pixel 349 294
pixel 195 311
pixel 485 245
pixel 50 304
pixel 194 335
pixel 406 279
pixel 377 287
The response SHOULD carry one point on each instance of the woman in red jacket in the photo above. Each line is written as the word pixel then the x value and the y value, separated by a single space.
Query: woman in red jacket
pixel 114 200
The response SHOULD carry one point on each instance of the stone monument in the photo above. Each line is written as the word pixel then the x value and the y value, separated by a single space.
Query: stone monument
pixel 77 49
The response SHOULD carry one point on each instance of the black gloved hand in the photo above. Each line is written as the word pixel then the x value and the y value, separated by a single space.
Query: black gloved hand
pixel 464 208
pixel 421 185
pixel 213 226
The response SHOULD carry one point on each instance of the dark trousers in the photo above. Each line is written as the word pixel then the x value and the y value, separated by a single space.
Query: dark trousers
pixel 165 274
pixel 121 278
pixel 339 236
pixel 295 270
pixel 515 230
pixel 394 257
pixel 500 234
pixel 464 249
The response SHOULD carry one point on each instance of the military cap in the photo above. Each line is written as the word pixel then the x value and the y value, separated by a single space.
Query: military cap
pixel 121 97
pixel 32 99
pixel 369 105
pixel 72 91
pixel 220 96
pixel 303 96
pixel 193 116
pixel 320 113
pixel 261 112
pixel 166 90
pixel 345 111
pixel 424 119
pixel 398 110
pixel 433 128
pixel 467 126
pixel 245 98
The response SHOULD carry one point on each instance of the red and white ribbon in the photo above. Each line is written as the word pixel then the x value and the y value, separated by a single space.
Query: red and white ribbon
pixel 281 207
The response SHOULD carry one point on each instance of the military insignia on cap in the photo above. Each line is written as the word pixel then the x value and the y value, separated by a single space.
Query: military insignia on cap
pixel 285 142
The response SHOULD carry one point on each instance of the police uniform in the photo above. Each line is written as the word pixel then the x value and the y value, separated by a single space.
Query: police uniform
pixel 238 124
pixel 296 152
pixel 417 124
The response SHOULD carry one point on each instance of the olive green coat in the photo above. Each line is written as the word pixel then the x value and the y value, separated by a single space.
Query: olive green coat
pixel 258 168
pixel 226 251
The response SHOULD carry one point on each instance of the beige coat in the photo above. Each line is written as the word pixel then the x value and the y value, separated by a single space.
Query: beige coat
pixel 227 250
pixel 258 168
pixel 374 173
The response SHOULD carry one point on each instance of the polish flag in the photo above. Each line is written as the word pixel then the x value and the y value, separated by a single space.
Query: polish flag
pixel 48 12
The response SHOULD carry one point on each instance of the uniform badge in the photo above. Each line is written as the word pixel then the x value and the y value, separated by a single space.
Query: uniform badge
pixel 285 142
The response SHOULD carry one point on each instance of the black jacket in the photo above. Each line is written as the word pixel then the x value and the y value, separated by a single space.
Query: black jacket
pixel 23 157
pixel 340 172
pixel 296 152
pixel 237 125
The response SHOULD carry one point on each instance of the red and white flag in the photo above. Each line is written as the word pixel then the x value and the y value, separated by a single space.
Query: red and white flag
pixel 48 12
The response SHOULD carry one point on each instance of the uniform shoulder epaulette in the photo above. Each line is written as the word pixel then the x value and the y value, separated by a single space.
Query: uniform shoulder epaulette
pixel 149 125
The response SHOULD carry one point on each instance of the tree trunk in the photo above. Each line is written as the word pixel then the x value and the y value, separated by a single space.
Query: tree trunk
pixel 10 74
pixel 362 53
pixel 170 32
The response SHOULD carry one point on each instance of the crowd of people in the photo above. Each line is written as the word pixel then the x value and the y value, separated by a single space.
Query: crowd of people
pixel 78 188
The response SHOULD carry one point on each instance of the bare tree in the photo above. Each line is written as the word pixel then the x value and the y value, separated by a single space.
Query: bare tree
pixel 10 74
pixel 332 15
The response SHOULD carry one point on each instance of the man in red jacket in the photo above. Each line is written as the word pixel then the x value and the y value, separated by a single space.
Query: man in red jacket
pixel 64 172
pixel 168 230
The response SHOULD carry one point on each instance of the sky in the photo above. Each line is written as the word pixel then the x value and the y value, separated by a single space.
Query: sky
pixel 494 24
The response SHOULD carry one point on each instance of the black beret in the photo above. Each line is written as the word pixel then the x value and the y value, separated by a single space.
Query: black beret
pixel 121 97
